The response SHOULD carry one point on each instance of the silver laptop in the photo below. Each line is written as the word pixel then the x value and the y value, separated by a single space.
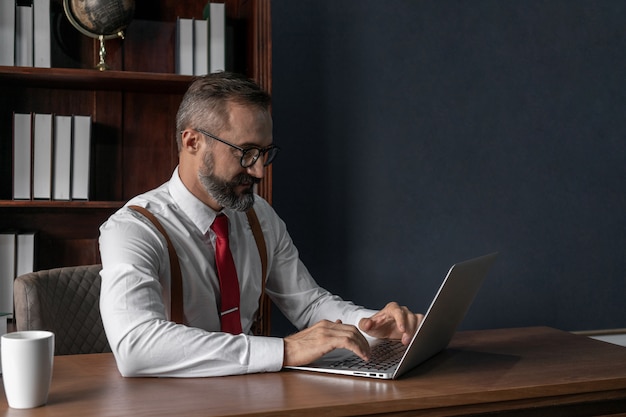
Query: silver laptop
pixel 390 359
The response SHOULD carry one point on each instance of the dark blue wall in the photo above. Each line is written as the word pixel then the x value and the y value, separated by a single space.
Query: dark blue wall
pixel 420 133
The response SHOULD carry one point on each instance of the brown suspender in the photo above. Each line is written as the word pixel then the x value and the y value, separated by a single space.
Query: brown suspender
pixel 176 284
pixel 258 327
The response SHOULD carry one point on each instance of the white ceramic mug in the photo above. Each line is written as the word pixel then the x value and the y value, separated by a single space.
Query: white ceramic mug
pixel 3 330
pixel 27 359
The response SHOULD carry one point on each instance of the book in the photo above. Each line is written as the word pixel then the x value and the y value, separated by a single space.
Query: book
pixel 42 156
pixel 7 33
pixel 22 144
pixel 217 46
pixel 200 47
pixel 42 36
pixel 23 36
pixel 25 253
pixel 184 46
pixel 81 154
pixel 7 270
pixel 62 159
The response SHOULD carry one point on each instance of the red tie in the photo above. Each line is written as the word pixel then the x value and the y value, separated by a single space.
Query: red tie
pixel 229 285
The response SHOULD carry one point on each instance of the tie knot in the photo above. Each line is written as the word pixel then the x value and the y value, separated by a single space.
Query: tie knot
pixel 220 226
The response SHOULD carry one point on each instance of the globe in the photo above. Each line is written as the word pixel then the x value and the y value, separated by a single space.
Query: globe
pixel 102 19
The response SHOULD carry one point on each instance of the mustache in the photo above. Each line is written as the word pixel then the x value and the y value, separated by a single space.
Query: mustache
pixel 245 179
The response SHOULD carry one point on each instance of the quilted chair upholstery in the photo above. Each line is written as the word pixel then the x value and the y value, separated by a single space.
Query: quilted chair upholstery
pixel 65 301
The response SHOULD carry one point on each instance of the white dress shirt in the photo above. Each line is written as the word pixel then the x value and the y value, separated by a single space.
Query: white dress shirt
pixel 135 301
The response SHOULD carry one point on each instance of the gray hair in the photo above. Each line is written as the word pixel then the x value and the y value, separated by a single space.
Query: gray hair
pixel 204 105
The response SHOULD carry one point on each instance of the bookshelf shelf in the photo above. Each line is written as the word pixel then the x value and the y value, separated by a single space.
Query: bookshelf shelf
pixel 46 204
pixel 88 79
pixel 133 108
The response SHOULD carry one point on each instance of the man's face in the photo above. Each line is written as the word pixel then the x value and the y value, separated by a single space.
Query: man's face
pixel 221 173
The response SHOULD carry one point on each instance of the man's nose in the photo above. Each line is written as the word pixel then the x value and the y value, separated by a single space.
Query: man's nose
pixel 257 169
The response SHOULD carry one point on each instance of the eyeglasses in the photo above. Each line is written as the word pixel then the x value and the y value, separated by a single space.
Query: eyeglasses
pixel 249 155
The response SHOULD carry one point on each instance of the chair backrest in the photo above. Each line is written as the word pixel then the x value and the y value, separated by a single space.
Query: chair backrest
pixel 65 301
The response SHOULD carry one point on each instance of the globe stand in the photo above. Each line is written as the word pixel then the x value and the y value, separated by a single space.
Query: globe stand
pixel 102 65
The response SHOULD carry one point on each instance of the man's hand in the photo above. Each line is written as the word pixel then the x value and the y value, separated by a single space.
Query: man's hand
pixel 310 344
pixel 392 322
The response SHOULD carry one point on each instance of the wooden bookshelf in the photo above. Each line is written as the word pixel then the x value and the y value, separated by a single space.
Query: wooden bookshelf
pixel 133 108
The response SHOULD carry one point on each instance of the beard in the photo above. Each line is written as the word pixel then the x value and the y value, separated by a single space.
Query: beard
pixel 224 191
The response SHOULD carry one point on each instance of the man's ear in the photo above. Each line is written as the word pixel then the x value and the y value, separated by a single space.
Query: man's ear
pixel 190 141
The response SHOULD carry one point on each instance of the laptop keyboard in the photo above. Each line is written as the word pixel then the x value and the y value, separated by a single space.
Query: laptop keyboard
pixel 384 356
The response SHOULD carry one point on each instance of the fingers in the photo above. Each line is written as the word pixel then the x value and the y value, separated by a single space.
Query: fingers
pixel 413 321
pixel 312 343
pixel 340 336
pixel 392 322
pixel 407 322
pixel 400 315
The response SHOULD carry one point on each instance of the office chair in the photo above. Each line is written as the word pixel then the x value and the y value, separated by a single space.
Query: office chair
pixel 65 301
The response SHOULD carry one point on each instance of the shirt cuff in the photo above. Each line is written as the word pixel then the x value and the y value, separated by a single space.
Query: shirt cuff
pixel 266 354
pixel 364 314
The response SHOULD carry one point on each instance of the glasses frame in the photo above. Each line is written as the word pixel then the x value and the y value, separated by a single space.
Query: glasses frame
pixel 261 151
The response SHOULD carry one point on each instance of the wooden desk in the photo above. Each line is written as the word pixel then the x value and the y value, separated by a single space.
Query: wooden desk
pixel 529 371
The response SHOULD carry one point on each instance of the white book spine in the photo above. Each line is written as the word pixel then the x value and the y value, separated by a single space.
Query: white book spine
pixel 23 36
pixel 81 154
pixel 184 46
pixel 7 33
pixel 41 33
pixel 217 46
pixel 7 271
pixel 22 145
pixel 42 156
pixel 62 173
pixel 200 47
pixel 25 256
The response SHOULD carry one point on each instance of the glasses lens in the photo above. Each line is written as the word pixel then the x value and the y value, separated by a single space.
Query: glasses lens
pixel 270 154
pixel 249 157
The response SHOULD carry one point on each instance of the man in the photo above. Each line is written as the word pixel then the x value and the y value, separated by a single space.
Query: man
pixel 225 141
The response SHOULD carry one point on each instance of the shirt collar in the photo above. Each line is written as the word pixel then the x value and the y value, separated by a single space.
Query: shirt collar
pixel 199 213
